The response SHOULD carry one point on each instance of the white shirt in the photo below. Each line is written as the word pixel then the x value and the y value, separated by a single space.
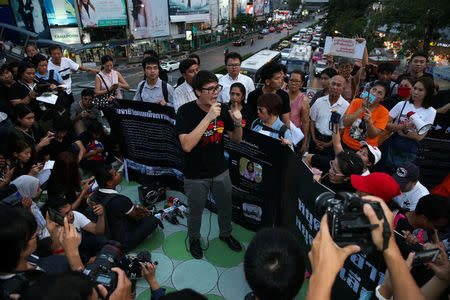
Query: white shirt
pixel 184 93
pixel 367 172
pixel 65 70
pixel 226 81
pixel 426 114
pixel 153 94
pixel 79 220
pixel 321 113
pixel 409 199
pixel 88 19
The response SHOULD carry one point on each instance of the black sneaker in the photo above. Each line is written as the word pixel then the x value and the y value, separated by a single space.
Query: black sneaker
pixel 195 248
pixel 232 243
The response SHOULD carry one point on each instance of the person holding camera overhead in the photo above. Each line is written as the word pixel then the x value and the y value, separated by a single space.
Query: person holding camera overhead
pixel 402 145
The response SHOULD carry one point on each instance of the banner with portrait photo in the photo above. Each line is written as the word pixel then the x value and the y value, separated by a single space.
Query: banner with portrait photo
pixel 224 11
pixel 189 10
pixel 267 7
pixel 258 7
pixel 60 12
pixel 30 15
pixel 148 18
pixel 100 13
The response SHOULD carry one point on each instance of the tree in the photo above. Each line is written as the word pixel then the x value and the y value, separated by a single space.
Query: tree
pixel 348 17
pixel 415 23
pixel 294 4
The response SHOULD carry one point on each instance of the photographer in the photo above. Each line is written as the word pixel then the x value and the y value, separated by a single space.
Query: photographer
pixel 327 258
pixel 18 265
pixel 83 112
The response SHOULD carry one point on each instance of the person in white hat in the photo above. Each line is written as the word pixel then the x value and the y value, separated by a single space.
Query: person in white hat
pixel 369 154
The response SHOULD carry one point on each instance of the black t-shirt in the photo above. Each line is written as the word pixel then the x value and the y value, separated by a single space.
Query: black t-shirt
pixel 342 187
pixel 252 103
pixel 19 91
pixel 5 105
pixel 206 159
pixel 116 215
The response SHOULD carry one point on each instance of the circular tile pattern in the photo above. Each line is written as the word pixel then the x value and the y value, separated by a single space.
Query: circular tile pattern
pixel 219 254
pixel 152 243
pixel 164 268
pixel 232 284
pixel 242 234
pixel 198 275
pixel 175 247
pixel 145 295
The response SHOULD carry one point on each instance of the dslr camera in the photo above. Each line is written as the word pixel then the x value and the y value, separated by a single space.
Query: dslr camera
pixel 111 256
pixel 347 222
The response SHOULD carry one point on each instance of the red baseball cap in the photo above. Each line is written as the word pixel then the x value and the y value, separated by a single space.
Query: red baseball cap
pixel 378 184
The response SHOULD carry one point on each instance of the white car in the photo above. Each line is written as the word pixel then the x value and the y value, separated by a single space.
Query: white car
pixel 296 38
pixel 170 65
pixel 303 30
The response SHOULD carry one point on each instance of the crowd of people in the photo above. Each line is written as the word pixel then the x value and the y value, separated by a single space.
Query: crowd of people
pixel 356 136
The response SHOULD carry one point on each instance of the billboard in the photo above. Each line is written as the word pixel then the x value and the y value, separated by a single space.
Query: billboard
pixel 60 13
pixel 258 7
pixel 99 13
pixel 189 10
pixel 30 15
pixel 224 11
pixel 66 35
pixel 267 7
pixel 148 18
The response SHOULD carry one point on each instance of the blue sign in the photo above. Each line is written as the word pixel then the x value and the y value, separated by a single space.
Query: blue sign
pixel 60 12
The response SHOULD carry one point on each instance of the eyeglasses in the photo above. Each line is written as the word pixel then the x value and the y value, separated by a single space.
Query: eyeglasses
pixel 233 65
pixel 213 89
pixel 333 169
pixel 260 108
pixel 151 68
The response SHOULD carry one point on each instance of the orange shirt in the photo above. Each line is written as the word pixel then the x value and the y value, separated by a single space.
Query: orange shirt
pixel 353 134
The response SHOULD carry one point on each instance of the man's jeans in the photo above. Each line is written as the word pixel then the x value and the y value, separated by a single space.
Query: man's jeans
pixel 197 192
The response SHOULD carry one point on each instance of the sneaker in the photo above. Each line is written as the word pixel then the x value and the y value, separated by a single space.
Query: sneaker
pixel 195 248
pixel 232 243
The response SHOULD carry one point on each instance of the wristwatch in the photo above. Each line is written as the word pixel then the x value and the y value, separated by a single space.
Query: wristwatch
pixel 379 296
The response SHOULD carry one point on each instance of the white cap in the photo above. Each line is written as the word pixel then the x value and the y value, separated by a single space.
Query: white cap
pixel 374 150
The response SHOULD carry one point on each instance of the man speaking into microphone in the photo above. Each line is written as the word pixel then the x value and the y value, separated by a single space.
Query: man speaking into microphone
pixel 200 126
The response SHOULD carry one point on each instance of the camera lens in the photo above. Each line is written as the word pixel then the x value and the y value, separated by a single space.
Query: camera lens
pixel 322 202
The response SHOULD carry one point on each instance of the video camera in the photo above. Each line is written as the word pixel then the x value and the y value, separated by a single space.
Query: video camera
pixel 111 256
pixel 347 222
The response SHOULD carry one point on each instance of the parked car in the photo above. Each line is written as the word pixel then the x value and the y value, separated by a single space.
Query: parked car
pixel 289 27
pixel 284 44
pixel 271 29
pixel 303 30
pixel 296 38
pixel 310 30
pixel 304 40
pixel 239 42
pixel 170 65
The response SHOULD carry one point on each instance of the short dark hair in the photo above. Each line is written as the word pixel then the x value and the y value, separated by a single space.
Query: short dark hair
pixel 4 68
pixel 385 66
pixel 151 52
pixel 150 60
pixel 385 86
pixel 38 58
pixel 55 202
pixel 23 67
pixel 233 55
pixel 428 83
pixel 203 77
pixel 240 86
pixel 193 55
pixel 272 102
pixel 274 264
pixel 299 72
pixel 31 45
pixel 53 47
pixel 70 285
pixel 433 207
pixel 19 112
pixel 87 92
pixel 106 58
pixel 420 54
pixel 184 294
pixel 350 163
pixel 102 175
pixel 185 64
pixel 17 226
pixel 330 72
pixel 268 70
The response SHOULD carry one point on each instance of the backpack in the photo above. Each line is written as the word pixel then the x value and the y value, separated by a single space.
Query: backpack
pixel 281 132
pixel 164 90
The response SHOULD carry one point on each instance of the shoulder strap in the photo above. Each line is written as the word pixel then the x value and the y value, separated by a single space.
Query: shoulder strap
pixel 165 91
pixel 397 119
pixel 282 131
pixel 140 90
pixel 101 77
pixel 51 74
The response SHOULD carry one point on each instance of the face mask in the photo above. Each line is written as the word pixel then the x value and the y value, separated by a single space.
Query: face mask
pixel 404 91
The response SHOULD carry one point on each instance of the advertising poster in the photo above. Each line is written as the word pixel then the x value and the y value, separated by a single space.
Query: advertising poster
pixel 224 11
pixel 30 15
pixel 255 168
pixel 6 14
pixel 189 10
pixel 66 35
pixel 267 7
pixel 258 7
pixel 60 12
pixel 148 18
pixel 100 13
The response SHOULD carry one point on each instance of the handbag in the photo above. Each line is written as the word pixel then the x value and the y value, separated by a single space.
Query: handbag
pixel 102 101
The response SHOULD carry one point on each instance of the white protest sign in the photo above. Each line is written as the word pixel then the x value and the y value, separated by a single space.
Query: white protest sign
pixel 344 47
